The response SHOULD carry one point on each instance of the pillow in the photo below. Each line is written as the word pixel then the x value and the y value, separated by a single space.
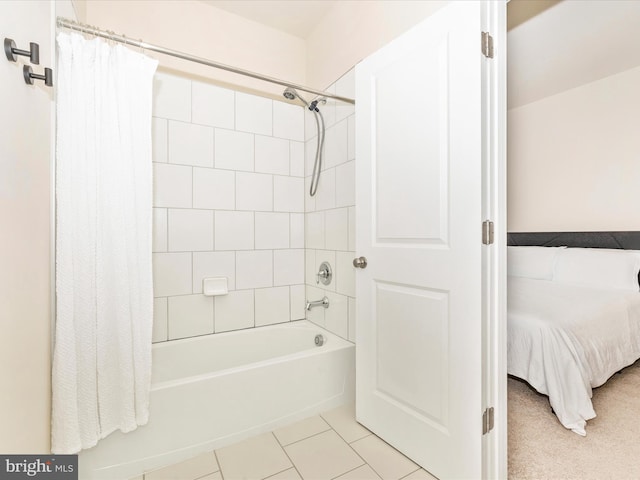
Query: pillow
pixel 532 262
pixel 599 267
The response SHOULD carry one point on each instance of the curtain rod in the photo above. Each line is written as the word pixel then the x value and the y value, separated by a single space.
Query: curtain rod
pixel 80 27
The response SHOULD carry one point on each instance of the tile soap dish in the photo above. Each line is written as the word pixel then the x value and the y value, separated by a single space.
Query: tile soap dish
pixel 214 286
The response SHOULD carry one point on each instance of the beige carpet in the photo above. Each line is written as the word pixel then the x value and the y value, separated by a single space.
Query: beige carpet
pixel 541 448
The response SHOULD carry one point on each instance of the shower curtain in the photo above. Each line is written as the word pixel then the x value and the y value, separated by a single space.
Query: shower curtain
pixel 104 292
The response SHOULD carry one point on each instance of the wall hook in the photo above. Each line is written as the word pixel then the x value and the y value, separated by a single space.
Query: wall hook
pixel 29 76
pixel 11 51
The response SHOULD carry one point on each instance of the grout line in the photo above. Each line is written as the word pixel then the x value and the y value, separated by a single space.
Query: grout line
pixel 293 465
pixel 215 454
pixel 411 473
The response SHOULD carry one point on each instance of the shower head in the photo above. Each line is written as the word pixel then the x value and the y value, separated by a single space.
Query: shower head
pixel 290 94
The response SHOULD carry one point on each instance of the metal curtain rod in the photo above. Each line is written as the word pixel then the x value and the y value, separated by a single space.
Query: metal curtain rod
pixel 80 27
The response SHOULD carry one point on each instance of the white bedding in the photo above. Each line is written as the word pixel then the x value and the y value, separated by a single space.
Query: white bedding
pixel 565 340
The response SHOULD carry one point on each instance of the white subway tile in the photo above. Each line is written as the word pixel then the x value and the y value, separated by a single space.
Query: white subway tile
pixel 336 145
pixel 288 267
pixel 213 105
pixel 296 230
pixel 297 308
pixel 326 194
pixel 171 274
pixel 310 266
pixel 336 228
pixel 159 140
pixel 346 184
pixel 234 150
pixel 309 201
pixel 310 149
pixel 314 230
pixel 254 269
pixel 272 305
pixel 214 189
pixel 234 311
pixel 351 134
pixel 336 317
pixel 272 230
pixel 190 315
pixel 352 229
pixel 272 155
pixel 159 230
pixel 296 159
pixel 328 256
pixel 352 319
pixel 234 230
pixel 254 114
pixel 214 264
pixel 190 230
pixel 310 126
pixel 171 97
pixel 346 87
pixel 288 121
pixel 345 273
pixel 254 191
pixel 288 194
pixel 171 185
pixel 316 314
pixel 190 144
pixel 160 320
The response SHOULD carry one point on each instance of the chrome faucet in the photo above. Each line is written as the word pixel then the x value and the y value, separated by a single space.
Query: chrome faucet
pixel 318 303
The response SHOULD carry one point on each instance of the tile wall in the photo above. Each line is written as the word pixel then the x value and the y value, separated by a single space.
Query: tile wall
pixel 330 214
pixel 228 201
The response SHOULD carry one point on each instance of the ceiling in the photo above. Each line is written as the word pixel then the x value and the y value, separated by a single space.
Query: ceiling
pixel 296 17
pixel 570 44
pixel 553 45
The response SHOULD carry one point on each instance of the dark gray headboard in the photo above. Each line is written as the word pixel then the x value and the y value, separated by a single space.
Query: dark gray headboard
pixel 624 240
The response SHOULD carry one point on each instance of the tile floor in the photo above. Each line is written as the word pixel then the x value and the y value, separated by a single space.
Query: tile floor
pixel 324 447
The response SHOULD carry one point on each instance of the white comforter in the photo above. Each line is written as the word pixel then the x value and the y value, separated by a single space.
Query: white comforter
pixel 565 340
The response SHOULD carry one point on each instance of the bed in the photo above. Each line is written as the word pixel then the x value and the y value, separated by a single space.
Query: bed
pixel 573 315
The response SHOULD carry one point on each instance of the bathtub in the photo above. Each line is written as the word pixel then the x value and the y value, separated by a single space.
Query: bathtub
pixel 211 391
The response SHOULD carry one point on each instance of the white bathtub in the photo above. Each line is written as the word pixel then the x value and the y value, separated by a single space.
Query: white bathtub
pixel 211 391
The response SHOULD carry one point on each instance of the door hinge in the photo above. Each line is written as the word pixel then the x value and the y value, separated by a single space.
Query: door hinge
pixel 487 45
pixel 487 420
pixel 487 232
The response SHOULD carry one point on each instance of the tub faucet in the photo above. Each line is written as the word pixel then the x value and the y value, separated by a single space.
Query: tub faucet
pixel 318 303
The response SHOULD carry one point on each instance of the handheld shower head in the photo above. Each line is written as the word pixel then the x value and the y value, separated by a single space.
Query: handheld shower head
pixel 290 94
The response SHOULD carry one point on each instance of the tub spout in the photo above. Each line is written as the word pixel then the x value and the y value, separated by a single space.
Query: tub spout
pixel 318 303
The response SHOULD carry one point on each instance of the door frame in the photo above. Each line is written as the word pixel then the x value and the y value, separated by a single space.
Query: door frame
pixel 494 257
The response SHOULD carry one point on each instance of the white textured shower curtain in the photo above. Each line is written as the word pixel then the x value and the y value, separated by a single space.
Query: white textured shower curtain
pixel 104 288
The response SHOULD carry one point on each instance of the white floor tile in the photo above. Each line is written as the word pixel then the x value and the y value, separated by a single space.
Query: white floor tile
pixel 212 476
pixel 191 469
pixel 323 456
pixel 342 420
pixel 291 474
pixel 255 458
pixel 301 430
pixel 364 472
pixel 383 458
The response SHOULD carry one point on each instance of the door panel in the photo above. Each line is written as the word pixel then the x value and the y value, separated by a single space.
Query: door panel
pixel 419 198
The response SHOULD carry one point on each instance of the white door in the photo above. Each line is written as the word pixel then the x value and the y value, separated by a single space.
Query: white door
pixel 419 216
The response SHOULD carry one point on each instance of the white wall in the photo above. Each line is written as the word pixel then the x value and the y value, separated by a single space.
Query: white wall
pixel 353 29
pixel 202 30
pixel 229 202
pixel 25 153
pixel 574 159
